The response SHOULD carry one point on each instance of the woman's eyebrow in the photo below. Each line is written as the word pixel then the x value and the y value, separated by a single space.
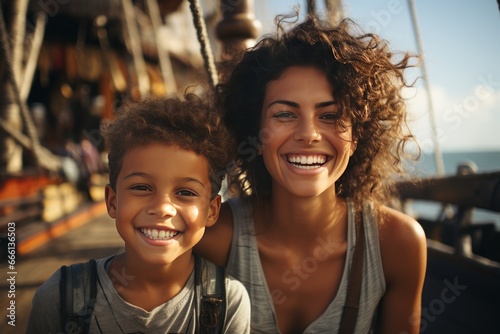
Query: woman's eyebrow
pixel 285 102
pixel 326 104
pixel 296 105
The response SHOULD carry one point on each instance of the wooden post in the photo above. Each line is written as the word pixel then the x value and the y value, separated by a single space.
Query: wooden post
pixel 11 159
pixel 238 28
pixel 163 56
pixel 134 42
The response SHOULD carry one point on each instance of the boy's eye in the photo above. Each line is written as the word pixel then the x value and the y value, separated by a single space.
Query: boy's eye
pixel 185 192
pixel 140 187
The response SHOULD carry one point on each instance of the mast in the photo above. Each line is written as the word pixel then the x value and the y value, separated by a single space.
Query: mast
pixel 438 156
pixel 335 11
pixel 238 28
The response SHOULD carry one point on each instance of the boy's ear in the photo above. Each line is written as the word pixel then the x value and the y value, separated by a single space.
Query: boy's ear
pixel 110 196
pixel 213 211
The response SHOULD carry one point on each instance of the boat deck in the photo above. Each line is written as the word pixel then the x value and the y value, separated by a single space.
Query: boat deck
pixel 95 239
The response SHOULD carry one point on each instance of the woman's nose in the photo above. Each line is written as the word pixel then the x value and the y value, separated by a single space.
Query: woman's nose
pixel 307 131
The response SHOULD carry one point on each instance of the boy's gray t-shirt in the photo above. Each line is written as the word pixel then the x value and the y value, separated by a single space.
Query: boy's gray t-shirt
pixel 114 315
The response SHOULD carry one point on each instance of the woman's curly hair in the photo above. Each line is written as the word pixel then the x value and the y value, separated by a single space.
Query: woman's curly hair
pixel 367 81
pixel 192 124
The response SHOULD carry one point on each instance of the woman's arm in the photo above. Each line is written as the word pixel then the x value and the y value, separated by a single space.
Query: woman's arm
pixel 216 242
pixel 404 256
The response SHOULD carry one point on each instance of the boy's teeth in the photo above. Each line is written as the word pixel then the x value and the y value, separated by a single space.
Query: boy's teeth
pixel 155 234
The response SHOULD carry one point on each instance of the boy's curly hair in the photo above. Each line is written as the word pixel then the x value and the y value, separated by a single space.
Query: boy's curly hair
pixel 367 80
pixel 192 124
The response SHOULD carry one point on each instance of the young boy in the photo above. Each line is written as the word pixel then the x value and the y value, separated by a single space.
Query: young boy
pixel 166 159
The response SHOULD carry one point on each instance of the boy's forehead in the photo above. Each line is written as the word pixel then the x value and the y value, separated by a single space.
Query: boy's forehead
pixel 155 156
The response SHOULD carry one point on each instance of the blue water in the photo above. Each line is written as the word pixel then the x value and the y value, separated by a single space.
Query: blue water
pixel 486 161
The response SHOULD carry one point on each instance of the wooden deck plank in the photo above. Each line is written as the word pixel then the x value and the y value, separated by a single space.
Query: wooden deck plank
pixel 95 239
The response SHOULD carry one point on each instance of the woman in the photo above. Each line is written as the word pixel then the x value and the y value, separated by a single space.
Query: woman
pixel 319 119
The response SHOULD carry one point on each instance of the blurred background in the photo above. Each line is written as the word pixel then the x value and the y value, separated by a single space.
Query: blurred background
pixel 66 66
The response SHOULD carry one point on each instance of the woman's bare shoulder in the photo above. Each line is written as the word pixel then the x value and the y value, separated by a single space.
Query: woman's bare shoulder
pixel 402 243
pixel 216 242
pixel 394 225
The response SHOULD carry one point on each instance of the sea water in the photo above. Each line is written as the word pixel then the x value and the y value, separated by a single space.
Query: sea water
pixel 486 161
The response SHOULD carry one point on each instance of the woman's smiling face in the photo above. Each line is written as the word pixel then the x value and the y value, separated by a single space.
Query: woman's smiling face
pixel 304 147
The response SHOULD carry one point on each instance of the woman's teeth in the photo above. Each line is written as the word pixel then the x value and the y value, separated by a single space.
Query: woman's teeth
pixel 155 234
pixel 307 162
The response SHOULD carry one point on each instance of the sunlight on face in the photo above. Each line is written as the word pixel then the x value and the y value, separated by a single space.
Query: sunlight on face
pixel 162 202
pixel 304 147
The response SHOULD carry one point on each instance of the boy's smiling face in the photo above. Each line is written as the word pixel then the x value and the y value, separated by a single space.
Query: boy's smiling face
pixel 162 203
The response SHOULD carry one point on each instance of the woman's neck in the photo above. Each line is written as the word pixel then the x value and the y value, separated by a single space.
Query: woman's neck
pixel 295 217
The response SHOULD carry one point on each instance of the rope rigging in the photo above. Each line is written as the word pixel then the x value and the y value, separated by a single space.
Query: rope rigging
pixel 206 51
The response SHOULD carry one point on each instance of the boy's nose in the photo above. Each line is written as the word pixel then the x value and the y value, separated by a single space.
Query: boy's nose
pixel 163 207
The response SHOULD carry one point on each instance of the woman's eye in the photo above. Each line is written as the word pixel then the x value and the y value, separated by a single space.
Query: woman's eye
pixel 330 116
pixel 140 187
pixel 284 114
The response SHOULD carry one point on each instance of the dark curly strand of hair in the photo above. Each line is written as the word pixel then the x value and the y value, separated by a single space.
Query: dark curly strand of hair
pixel 191 124
pixel 367 80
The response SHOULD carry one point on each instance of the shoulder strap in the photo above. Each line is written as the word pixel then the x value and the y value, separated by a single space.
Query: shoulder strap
pixel 210 295
pixel 78 290
pixel 351 307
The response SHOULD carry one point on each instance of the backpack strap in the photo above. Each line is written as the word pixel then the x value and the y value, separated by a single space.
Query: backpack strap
pixel 210 296
pixel 351 306
pixel 78 290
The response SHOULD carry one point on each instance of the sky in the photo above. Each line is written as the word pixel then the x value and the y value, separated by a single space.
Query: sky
pixel 461 44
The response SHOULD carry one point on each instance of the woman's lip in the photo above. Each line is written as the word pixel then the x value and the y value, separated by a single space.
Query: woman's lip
pixel 306 153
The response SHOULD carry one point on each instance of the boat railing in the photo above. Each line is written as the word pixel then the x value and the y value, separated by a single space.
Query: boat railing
pixel 460 293
pixel 459 195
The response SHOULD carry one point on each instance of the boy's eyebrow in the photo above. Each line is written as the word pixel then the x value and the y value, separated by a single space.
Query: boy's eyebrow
pixel 296 105
pixel 134 174
pixel 183 179
pixel 192 179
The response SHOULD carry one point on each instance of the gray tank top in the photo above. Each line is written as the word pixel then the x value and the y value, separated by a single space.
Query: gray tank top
pixel 244 265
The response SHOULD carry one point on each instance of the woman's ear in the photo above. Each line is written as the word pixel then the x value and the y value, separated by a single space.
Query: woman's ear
pixel 110 197
pixel 354 146
pixel 259 148
pixel 213 211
